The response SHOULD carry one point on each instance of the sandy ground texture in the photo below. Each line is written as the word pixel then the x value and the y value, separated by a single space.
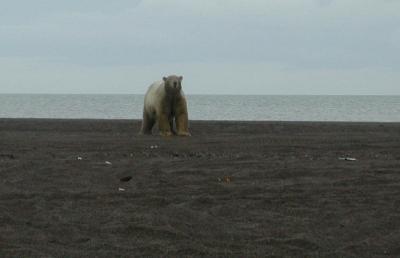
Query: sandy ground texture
pixel 233 189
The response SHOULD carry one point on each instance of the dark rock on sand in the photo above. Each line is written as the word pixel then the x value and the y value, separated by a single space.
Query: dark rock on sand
pixel 125 178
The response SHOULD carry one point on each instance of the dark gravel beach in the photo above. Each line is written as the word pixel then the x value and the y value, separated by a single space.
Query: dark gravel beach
pixel 94 188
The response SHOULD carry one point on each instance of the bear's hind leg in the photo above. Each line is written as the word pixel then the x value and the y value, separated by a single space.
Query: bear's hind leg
pixel 171 125
pixel 147 124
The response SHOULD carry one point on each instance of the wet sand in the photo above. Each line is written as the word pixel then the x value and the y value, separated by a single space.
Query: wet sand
pixel 233 189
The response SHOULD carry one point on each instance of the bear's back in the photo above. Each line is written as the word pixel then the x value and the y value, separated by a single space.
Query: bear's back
pixel 154 95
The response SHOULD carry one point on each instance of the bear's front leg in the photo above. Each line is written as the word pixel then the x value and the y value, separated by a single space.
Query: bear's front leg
pixel 182 124
pixel 182 118
pixel 163 124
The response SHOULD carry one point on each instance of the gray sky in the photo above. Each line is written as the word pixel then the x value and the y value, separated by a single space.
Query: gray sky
pixel 219 46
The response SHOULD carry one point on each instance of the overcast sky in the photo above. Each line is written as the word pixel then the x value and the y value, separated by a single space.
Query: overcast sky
pixel 219 46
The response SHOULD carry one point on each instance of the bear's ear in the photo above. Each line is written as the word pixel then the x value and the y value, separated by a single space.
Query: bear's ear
pixel 180 78
pixel 164 79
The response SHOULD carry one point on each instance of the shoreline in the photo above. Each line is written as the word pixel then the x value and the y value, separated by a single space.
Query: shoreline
pixel 138 120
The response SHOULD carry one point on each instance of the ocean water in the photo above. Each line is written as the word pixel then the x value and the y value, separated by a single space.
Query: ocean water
pixel 208 107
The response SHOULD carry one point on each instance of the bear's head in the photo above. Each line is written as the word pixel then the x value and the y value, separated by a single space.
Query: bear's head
pixel 173 84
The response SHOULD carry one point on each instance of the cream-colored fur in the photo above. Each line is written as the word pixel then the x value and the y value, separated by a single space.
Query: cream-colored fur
pixel 153 96
pixel 165 103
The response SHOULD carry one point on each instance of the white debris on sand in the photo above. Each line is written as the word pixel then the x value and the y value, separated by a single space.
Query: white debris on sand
pixel 347 158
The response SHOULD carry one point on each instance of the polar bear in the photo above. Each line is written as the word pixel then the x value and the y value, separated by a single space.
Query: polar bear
pixel 165 102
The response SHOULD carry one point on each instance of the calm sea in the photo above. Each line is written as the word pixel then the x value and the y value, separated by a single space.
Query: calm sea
pixel 208 107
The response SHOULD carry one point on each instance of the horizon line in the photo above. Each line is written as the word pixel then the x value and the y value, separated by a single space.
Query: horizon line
pixel 203 94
